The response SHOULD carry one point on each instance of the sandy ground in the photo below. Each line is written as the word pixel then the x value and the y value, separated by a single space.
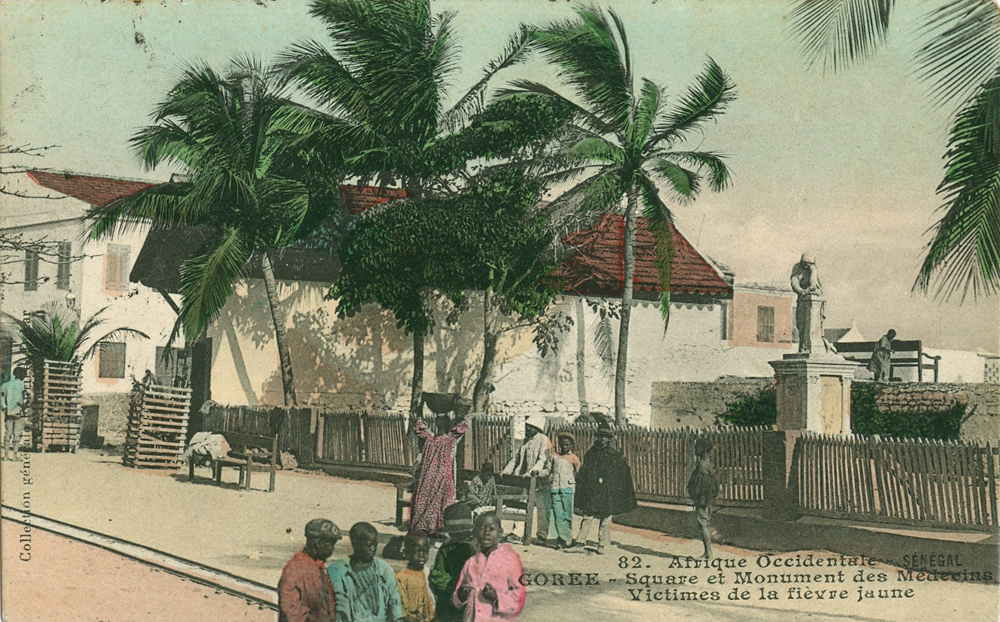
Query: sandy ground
pixel 57 584
pixel 252 534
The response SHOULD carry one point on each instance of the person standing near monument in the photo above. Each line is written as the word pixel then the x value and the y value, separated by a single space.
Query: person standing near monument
pixel 603 488
pixel 881 362
pixel 702 489
pixel 805 283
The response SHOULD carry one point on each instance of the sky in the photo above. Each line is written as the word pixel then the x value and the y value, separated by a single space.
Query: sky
pixel 842 165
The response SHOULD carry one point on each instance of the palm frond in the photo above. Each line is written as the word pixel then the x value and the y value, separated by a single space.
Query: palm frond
pixel 719 174
pixel 520 87
pixel 712 92
pixel 207 278
pixel 964 252
pixel 596 149
pixel 646 110
pixel 603 192
pixel 160 205
pixel 685 183
pixel 658 219
pixel 839 33
pixel 962 50
pixel 167 142
pixel 322 77
pixel 473 102
pixel 592 62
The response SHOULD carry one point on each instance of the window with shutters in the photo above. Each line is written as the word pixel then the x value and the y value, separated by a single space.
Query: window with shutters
pixel 724 329
pixel 111 361
pixel 116 276
pixel 765 324
pixel 30 271
pixel 62 274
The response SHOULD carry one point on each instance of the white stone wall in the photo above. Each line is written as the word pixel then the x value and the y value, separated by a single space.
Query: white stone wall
pixel 365 361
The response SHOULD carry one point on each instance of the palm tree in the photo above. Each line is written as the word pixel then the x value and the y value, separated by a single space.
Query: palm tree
pixel 625 140
pixel 227 132
pixel 378 112
pixel 960 59
pixel 53 337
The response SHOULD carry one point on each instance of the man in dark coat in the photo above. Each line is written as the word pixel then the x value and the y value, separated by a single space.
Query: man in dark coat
pixel 603 488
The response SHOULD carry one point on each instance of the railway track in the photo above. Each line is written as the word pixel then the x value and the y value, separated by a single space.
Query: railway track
pixel 264 596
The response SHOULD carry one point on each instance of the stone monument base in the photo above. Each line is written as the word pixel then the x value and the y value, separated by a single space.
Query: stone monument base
pixel 814 392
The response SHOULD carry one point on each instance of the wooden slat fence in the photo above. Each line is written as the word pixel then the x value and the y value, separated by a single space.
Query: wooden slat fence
pixel 387 442
pixel 662 460
pixel 491 441
pixel 903 481
pixel 295 427
pixel 341 440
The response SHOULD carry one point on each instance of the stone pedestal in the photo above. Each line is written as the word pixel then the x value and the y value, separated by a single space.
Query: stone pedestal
pixel 814 392
pixel 809 322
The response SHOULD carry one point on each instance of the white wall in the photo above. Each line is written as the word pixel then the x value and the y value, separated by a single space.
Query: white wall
pixel 137 307
pixel 365 361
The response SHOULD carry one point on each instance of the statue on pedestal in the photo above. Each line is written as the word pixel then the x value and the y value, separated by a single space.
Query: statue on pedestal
pixel 805 282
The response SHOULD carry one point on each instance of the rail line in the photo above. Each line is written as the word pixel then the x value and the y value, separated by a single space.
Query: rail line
pixel 255 593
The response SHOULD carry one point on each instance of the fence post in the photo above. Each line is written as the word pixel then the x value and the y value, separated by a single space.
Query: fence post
pixel 780 484
pixel 320 425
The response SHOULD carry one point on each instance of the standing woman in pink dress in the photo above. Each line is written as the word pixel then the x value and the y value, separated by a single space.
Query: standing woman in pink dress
pixel 434 489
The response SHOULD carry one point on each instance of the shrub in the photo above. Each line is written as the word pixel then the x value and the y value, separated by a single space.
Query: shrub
pixel 760 408
pixel 866 418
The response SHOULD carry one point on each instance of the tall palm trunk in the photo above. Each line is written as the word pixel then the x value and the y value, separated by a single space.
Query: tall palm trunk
pixel 417 385
pixel 628 256
pixel 491 335
pixel 280 334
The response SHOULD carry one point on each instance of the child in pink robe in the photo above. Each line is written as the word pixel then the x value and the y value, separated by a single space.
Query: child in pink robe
pixel 491 586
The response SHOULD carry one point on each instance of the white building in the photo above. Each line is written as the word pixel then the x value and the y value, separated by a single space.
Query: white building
pixel 364 361
pixel 79 289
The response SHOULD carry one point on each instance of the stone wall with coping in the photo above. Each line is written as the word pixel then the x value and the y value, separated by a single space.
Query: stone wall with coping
pixel 699 404
pixel 982 400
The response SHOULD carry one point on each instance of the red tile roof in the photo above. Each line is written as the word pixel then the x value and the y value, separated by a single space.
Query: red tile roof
pixel 597 269
pixel 98 191
pixel 361 198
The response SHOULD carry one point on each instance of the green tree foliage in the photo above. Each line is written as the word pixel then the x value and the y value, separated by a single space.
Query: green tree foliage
pixel 248 185
pixel 484 239
pixel 624 139
pixel 376 111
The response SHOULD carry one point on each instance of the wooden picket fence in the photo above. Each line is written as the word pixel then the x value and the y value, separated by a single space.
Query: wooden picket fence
pixel 490 440
pixel 386 442
pixel 903 481
pixel 662 460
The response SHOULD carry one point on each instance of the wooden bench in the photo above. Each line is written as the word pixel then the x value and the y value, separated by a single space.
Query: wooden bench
pixel 861 352
pixel 247 453
pixel 516 501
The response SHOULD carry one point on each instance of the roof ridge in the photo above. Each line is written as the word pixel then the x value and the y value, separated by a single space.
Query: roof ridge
pixel 72 173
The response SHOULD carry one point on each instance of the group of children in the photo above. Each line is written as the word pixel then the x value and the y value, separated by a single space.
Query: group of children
pixel 475 576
